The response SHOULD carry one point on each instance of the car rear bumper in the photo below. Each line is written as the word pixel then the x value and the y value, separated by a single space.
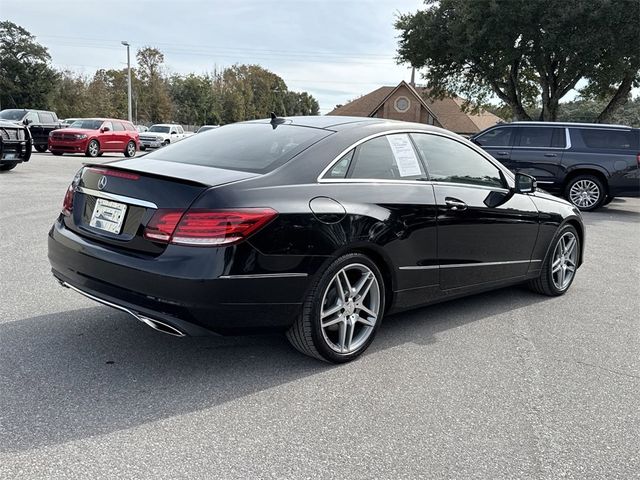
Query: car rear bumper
pixel 185 288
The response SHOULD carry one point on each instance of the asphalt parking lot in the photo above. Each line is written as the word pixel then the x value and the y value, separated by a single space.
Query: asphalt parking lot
pixel 507 384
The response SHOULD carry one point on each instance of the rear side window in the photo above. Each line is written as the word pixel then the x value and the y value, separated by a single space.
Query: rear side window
pixel 609 139
pixel 450 161
pixel 498 137
pixel 247 147
pixel 390 157
pixel 117 127
pixel 542 137
pixel 46 117
pixel 339 170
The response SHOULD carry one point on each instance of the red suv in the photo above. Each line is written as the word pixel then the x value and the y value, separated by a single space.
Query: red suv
pixel 94 136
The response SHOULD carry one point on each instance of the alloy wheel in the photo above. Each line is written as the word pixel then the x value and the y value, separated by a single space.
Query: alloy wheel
pixel 564 263
pixel 93 148
pixel 350 308
pixel 584 193
pixel 131 148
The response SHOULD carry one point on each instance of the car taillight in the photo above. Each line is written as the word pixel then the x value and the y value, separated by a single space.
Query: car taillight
pixel 115 173
pixel 206 227
pixel 67 203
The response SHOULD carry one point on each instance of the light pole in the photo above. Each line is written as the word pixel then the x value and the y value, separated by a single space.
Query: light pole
pixel 126 44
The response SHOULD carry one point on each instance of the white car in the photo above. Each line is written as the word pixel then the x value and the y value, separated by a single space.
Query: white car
pixel 162 134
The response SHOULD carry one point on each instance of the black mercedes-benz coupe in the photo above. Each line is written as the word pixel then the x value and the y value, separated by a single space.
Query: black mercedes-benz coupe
pixel 314 226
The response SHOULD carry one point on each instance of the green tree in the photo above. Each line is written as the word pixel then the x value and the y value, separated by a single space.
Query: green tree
pixel 525 53
pixel 26 78
pixel 70 96
pixel 154 102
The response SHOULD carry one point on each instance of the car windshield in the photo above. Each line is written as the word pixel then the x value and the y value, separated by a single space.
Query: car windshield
pixel 159 129
pixel 12 114
pixel 86 124
pixel 248 147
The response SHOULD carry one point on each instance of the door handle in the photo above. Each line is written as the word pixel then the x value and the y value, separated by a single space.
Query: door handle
pixel 455 204
pixel 502 153
pixel 550 155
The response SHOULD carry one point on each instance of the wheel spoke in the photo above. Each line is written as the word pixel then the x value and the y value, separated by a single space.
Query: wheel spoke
pixel 350 327
pixel 333 321
pixel 331 311
pixel 557 265
pixel 342 336
pixel 346 281
pixel 369 322
pixel 367 311
pixel 340 288
pixel 569 245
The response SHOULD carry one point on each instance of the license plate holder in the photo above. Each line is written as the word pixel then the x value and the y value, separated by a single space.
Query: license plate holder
pixel 108 216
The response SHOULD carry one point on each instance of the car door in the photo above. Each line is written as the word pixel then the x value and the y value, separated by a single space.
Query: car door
pixel 35 128
pixel 497 142
pixel 384 179
pixel 486 232
pixel 538 151
pixel 107 138
pixel 120 137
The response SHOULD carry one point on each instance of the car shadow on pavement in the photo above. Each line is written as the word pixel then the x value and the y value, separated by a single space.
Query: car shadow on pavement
pixel 80 373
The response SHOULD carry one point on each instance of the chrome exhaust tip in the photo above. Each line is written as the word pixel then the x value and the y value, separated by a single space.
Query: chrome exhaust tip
pixel 160 326
pixel 150 322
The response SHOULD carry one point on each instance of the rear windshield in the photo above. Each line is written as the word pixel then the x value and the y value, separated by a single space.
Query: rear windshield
pixel 248 147
pixel 86 124
pixel 609 138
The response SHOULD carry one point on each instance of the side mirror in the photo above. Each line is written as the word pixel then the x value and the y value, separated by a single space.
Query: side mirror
pixel 525 183
pixel 105 129
pixel 26 122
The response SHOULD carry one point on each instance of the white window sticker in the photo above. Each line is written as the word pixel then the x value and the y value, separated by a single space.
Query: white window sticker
pixel 405 156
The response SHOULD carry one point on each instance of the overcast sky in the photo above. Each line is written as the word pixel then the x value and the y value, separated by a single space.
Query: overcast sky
pixel 335 49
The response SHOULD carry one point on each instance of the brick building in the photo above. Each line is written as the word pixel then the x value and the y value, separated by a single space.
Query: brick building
pixel 406 102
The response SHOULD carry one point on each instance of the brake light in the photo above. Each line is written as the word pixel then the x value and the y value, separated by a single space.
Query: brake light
pixel 67 203
pixel 207 227
pixel 114 173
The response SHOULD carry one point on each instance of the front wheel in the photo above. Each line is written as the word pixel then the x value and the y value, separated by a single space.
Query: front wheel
pixel 40 148
pixel 586 192
pixel 93 149
pixel 559 268
pixel 342 311
pixel 130 151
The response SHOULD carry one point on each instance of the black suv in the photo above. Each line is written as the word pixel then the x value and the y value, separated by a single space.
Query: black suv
pixel 41 123
pixel 15 145
pixel 588 163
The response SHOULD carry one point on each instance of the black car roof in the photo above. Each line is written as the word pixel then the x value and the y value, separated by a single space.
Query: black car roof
pixel 336 121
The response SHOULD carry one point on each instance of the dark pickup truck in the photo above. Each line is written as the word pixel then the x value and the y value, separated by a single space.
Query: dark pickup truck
pixel 41 123
pixel 15 145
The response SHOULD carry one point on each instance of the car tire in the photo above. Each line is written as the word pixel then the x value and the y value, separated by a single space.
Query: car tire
pixel 142 148
pixel 57 153
pixel 40 148
pixel 130 151
pixel 165 143
pixel 6 166
pixel 586 192
pixel 560 266
pixel 607 200
pixel 330 327
pixel 93 149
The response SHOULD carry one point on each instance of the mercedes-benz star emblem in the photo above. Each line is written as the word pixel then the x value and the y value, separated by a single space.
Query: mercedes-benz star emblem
pixel 102 182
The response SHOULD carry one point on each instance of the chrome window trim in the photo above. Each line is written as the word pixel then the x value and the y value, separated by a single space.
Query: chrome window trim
pixel 484 154
pixel 263 275
pixel 373 181
pixel 419 267
pixel 116 198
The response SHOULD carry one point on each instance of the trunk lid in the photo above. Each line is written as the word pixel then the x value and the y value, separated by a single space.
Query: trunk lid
pixel 113 202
